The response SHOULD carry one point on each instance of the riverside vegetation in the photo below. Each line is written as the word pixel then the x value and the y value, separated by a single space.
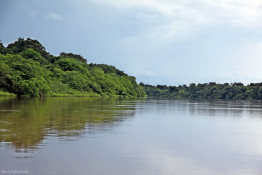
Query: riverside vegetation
pixel 26 68
pixel 211 90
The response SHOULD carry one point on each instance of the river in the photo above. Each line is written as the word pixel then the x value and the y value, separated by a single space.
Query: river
pixel 129 136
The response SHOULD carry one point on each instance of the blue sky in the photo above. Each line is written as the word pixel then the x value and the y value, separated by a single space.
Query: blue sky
pixel 159 41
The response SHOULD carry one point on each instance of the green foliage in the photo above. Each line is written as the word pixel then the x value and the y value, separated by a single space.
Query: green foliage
pixel 21 45
pixel 109 69
pixel 33 87
pixel 207 91
pixel 74 56
pixel 28 69
pixel 69 64
pixel 2 48
pixel 23 76
pixel 76 80
pixel 31 54
pixel 3 93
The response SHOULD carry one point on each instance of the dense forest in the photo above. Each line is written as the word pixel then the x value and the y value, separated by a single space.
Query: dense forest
pixel 26 68
pixel 207 91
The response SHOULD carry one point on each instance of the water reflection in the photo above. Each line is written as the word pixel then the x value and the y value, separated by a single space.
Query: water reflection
pixel 26 122
pixel 208 108
pixel 130 136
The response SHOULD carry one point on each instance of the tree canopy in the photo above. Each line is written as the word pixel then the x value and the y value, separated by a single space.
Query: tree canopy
pixel 22 44
pixel 210 90
pixel 26 68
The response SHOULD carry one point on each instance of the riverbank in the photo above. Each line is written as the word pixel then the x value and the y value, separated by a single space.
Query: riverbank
pixel 2 93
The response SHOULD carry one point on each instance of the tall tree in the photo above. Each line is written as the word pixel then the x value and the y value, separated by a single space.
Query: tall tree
pixel 23 44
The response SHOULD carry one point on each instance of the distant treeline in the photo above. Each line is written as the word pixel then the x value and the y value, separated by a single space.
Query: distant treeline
pixel 207 91
pixel 26 68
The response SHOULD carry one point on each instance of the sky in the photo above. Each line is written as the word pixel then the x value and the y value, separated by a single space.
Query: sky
pixel 170 42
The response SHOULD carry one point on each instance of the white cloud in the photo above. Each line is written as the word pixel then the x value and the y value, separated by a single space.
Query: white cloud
pixel 192 13
pixel 51 16
pixel 189 40
pixel 244 12
pixel 248 62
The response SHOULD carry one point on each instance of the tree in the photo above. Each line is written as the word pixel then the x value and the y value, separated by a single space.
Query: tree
pixel 71 55
pixel 21 45
pixel 28 69
pixel 2 48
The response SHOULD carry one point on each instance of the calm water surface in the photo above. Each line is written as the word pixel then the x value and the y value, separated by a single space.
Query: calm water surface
pixel 108 136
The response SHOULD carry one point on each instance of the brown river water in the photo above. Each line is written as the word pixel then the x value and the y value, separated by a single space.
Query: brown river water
pixel 128 136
